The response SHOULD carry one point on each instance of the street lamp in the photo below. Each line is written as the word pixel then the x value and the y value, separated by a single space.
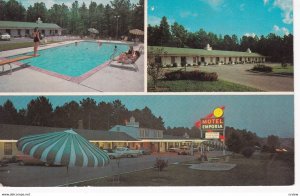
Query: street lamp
pixel 117 17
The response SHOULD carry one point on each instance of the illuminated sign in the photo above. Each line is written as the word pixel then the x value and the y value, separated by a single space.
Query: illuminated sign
pixel 212 135
pixel 212 123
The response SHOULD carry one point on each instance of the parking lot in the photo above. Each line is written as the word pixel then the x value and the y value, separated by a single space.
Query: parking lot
pixel 41 176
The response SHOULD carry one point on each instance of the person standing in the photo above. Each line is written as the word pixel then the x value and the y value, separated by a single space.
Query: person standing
pixel 36 40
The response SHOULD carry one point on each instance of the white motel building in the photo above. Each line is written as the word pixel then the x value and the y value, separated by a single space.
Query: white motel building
pixel 207 56
pixel 25 29
pixel 130 135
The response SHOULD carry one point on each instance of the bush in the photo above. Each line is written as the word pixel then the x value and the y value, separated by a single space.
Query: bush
pixel 168 66
pixel 199 63
pixel 183 64
pixel 194 65
pixel 189 65
pixel 247 152
pixel 262 68
pixel 175 65
pixel 160 164
pixel 191 75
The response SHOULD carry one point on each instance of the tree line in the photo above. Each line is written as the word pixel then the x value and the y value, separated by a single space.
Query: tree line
pixel 96 116
pixel 78 18
pixel 274 47
pixel 105 115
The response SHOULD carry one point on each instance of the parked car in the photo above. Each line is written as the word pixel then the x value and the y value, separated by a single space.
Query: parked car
pixel 184 151
pixel 24 159
pixel 145 151
pixel 126 152
pixel 173 149
pixel 112 154
pixel 4 36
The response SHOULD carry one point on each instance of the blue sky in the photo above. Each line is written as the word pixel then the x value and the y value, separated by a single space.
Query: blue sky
pixel 264 115
pixel 49 3
pixel 240 17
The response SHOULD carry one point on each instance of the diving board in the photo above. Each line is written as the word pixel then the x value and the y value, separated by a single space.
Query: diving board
pixel 9 61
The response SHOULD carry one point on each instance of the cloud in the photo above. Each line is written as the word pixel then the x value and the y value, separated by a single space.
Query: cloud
pixel 250 34
pixel 185 14
pixel 154 20
pixel 286 7
pixel 215 4
pixel 281 31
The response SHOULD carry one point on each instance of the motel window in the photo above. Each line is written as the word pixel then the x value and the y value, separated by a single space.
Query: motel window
pixel 19 32
pixel 55 31
pixel 183 60
pixel 217 59
pixel 172 59
pixel 211 59
pixel 241 58
pixel 158 60
pixel 202 59
pixel 194 60
pixel 7 148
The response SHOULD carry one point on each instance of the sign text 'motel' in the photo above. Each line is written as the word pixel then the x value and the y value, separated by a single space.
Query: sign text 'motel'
pixel 212 123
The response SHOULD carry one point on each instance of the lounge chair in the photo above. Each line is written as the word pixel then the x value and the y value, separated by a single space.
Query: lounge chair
pixel 126 64
pixel 10 61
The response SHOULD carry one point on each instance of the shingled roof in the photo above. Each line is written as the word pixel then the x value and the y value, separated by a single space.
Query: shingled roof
pixel 15 132
pixel 27 25
pixel 171 51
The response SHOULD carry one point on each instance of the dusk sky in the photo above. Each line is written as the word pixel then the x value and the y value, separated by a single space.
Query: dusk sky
pixel 240 17
pixel 264 115
pixel 49 3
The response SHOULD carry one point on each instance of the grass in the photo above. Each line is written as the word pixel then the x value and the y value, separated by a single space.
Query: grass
pixel 199 86
pixel 289 70
pixel 257 170
pixel 12 46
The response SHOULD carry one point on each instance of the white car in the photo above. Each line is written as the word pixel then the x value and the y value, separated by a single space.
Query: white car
pixel 112 154
pixel 4 36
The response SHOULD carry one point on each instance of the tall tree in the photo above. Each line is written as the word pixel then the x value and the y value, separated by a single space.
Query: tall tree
pixel 164 28
pixel 8 113
pixel 13 11
pixel 39 112
pixel 38 10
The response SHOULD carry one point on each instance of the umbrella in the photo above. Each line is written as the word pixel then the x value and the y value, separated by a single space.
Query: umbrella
pixel 63 148
pixel 92 30
pixel 136 32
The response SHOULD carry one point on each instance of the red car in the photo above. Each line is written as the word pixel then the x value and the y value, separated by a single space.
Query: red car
pixel 23 159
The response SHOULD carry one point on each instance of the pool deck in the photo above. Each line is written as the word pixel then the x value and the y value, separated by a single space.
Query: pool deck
pixel 108 79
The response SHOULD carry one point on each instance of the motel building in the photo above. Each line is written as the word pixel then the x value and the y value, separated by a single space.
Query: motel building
pixel 25 29
pixel 130 135
pixel 206 56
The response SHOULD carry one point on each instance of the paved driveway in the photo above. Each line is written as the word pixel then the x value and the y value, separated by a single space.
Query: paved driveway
pixel 36 176
pixel 239 74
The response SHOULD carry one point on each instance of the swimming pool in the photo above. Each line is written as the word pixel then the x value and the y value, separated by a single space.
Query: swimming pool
pixel 74 61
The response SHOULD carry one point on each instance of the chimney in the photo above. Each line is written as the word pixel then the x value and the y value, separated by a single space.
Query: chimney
pixel 80 124
pixel 208 47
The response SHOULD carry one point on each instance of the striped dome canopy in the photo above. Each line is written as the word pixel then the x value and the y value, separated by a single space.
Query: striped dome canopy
pixel 63 148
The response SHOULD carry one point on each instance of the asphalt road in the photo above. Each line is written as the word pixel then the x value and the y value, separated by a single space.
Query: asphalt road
pixel 240 74
pixel 40 176
pixel 16 40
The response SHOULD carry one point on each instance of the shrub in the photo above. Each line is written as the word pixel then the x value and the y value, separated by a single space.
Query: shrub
pixel 160 164
pixel 262 68
pixel 247 152
pixel 183 64
pixel 189 65
pixel 191 75
pixel 175 65
pixel 194 64
pixel 168 66
pixel 199 63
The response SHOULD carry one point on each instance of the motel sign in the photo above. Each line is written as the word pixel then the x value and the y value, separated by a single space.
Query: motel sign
pixel 212 123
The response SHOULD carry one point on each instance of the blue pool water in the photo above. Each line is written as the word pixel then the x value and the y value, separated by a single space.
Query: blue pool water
pixel 74 60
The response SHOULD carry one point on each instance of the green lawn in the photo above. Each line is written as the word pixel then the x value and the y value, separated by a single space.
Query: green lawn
pixel 289 70
pixel 199 86
pixel 12 46
pixel 254 171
